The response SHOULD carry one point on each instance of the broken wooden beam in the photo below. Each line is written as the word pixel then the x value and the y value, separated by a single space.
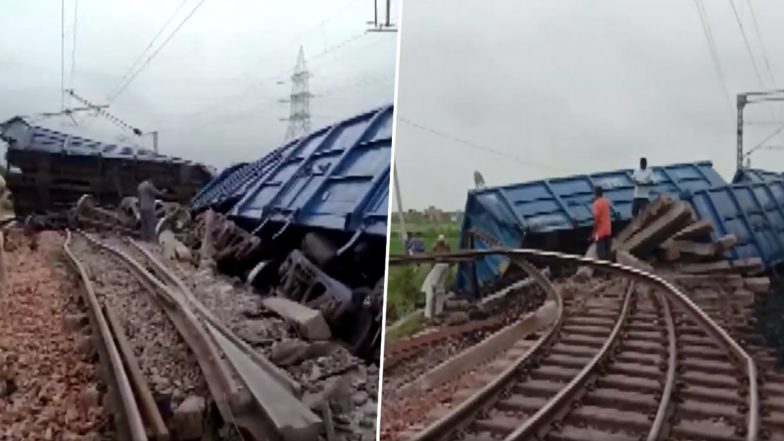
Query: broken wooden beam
pixel 701 229
pixel 661 229
pixel 646 216
pixel 726 242
pixel 757 285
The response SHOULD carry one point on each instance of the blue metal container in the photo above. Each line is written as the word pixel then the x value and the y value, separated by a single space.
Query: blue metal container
pixel 755 175
pixel 532 214
pixel 753 212
pixel 233 182
pixel 335 178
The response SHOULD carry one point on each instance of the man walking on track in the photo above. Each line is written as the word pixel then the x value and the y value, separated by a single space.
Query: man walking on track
pixel 602 227
pixel 643 180
pixel 147 195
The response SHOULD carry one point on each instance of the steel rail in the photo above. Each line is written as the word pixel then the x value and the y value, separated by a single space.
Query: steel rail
pixel 279 374
pixel 461 415
pixel 246 394
pixel 223 388
pixel 660 419
pixel 131 413
pixel 547 413
pixel 552 257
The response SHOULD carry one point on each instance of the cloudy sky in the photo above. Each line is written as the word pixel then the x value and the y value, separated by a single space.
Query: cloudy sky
pixel 559 88
pixel 213 91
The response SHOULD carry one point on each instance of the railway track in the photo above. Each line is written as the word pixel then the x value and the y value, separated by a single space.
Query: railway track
pixel 235 376
pixel 636 360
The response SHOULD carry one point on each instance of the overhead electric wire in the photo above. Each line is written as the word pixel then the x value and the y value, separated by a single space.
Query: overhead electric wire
pixel 141 68
pixel 73 43
pixel 474 145
pixel 748 45
pixel 62 54
pixel 762 44
pixel 714 52
pixel 150 45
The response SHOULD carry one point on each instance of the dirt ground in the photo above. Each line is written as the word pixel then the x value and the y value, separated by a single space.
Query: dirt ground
pixel 48 388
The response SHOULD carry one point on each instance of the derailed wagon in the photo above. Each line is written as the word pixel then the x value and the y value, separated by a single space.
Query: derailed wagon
pixel 309 220
pixel 50 170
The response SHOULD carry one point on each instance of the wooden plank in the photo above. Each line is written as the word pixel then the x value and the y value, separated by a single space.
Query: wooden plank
pixel 758 285
pixel 726 242
pixel 750 266
pixel 645 217
pixel 647 239
pixel 698 230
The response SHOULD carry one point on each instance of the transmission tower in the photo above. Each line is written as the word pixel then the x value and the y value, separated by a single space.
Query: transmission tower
pixel 299 114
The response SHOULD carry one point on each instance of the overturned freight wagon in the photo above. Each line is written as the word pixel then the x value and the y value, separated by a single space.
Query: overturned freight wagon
pixel 309 220
pixel 48 170
pixel 555 214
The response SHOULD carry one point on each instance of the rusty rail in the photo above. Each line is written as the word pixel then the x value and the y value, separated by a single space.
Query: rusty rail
pixel 234 380
pixel 546 414
pixel 152 416
pixel 131 416
pixel 462 414
pixel 673 293
pixel 672 364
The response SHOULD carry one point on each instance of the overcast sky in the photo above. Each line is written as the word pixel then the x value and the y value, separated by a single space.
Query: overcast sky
pixel 212 92
pixel 573 87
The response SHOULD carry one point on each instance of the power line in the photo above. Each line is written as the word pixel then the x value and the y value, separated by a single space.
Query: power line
pixel 62 54
pixel 141 68
pixel 762 44
pixel 222 101
pixel 73 44
pixel 152 42
pixel 748 45
pixel 473 144
pixel 712 49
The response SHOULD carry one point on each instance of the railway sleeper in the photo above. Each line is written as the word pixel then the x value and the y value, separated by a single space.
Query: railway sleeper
pixel 554 372
pixel 573 433
pixel 607 397
pixel 610 418
pixel 696 410
pixel 707 430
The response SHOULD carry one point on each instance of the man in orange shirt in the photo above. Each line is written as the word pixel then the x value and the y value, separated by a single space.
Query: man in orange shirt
pixel 602 227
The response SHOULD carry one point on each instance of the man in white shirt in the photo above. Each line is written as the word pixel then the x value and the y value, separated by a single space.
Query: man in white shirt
pixel 643 181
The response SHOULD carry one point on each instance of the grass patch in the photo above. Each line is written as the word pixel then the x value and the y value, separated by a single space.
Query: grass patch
pixel 405 281
pixel 409 327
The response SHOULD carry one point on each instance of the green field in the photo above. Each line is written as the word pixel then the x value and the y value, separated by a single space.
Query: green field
pixel 405 281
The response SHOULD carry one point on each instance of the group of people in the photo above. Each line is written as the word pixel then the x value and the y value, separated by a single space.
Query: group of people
pixel 602 222
pixel 415 244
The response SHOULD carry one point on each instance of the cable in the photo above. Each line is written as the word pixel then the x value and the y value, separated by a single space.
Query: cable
pixel 73 45
pixel 748 45
pixel 762 43
pixel 474 145
pixel 713 51
pixel 62 54
pixel 222 101
pixel 152 42
pixel 132 77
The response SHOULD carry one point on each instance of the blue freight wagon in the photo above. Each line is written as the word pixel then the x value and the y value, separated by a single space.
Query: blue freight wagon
pixel 753 211
pixel 314 216
pixel 50 170
pixel 335 178
pixel 556 213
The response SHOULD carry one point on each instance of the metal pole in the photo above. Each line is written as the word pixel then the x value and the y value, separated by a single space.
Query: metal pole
pixel 155 141
pixel 375 13
pixel 739 153
pixel 401 218
pixel 388 8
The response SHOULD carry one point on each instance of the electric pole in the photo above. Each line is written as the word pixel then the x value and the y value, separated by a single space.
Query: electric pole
pixel 299 113
pixel 387 25
pixel 401 217
pixel 745 99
